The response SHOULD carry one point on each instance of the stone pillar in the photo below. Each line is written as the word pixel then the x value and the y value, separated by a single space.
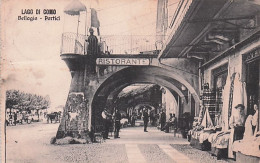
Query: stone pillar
pixel 75 119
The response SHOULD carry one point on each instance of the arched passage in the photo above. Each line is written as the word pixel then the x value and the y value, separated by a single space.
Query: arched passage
pixel 148 105
pixel 152 75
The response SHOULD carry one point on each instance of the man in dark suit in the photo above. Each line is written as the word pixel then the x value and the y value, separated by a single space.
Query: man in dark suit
pixel 117 118
pixel 145 119
pixel 107 121
pixel 92 50
pixel 162 119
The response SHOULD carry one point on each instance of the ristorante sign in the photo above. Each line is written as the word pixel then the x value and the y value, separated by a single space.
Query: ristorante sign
pixel 123 61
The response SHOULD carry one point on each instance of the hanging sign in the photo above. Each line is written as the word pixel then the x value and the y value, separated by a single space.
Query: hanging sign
pixel 123 61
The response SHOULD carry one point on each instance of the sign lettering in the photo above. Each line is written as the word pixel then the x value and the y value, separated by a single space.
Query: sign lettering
pixel 123 61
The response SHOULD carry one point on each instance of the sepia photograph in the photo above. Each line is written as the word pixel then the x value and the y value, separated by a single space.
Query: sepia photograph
pixel 130 81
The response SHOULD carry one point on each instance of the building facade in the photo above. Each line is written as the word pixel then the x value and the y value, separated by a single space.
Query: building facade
pixel 224 37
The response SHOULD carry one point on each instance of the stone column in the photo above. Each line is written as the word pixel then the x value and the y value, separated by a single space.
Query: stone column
pixel 75 119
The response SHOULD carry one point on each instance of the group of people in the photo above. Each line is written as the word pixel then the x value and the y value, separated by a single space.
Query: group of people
pixel 132 118
pixel 243 126
pixel 165 125
pixel 11 119
pixel 108 120
pixel 14 118
pixel 112 121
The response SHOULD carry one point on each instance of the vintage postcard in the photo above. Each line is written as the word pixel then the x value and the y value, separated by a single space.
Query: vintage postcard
pixel 130 81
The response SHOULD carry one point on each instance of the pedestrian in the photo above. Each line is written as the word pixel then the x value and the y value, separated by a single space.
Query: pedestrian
pixel 20 118
pixel 169 123
pixel 107 121
pixel 117 118
pixel 15 118
pixel 145 119
pixel 174 124
pixel 11 119
pixel 7 119
pixel 27 117
pixel 152 118
pixel 133 118
pixel 162 119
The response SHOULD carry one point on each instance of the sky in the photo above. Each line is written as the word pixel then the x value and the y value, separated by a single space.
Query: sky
pixel 30 52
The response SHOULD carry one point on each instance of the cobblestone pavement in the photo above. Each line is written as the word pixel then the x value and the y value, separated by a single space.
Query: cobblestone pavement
pixel 30 144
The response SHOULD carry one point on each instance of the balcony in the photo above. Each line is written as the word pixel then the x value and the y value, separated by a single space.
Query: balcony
pixel 71 43
pixel 111 44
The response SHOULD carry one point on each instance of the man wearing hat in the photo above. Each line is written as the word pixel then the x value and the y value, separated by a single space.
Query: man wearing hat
pixel 92 50
pixel 236 123
pixel 107 122
pixel 238 117
pixel 117 118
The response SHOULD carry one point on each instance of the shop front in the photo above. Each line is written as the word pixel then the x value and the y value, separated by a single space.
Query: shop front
pixel 228 82
pixel 224 37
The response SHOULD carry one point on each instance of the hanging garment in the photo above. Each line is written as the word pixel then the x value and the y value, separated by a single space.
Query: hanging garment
pixel 218 120
pixel 225 99
pixel 201 114
pixel 244 97
pixel 239 93
pixel 231 94
pixel 255 120
pixel 206 122
pixel 248 128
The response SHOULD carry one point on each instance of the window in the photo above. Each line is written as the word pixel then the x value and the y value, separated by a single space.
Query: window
pixel 220 76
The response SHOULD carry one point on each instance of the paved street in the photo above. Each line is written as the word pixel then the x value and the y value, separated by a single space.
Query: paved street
pixel 133 146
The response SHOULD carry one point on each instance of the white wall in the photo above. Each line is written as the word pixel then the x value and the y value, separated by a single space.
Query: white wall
pixel 170 103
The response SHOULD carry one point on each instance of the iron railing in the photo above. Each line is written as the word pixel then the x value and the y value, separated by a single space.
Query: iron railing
pixel 73 43
pixel 129 44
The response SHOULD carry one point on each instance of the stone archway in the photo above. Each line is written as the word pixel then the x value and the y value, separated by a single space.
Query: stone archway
pixel 148 105
pixel 82 113
pixel 145 74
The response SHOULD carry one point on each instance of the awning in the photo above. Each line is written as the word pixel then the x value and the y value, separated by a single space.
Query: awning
pixel 207 24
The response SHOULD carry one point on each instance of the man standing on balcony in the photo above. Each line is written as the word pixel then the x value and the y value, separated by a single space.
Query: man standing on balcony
pixel 92 50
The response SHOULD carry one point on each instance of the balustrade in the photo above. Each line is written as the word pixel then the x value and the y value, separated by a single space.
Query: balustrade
pixel 73 43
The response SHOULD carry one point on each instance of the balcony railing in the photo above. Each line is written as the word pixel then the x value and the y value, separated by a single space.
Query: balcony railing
pixel 73 43
pixel 113 44
pixel 129 44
